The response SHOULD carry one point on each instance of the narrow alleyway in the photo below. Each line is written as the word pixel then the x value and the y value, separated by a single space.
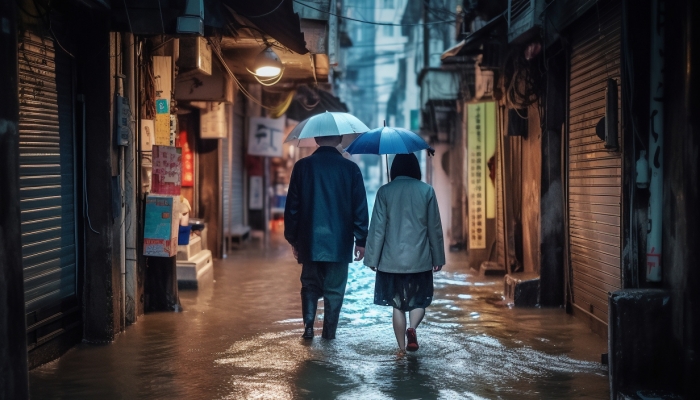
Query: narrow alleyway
pixel 240 339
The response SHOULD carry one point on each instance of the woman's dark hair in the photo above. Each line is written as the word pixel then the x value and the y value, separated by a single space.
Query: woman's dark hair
pixel 405 165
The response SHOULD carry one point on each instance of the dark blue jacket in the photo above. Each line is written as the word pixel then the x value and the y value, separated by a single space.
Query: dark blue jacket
pixel 326 207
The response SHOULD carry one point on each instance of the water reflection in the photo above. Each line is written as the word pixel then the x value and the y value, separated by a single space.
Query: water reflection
pixel 240 339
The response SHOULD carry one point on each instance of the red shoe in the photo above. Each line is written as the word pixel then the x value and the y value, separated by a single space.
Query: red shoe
pixel 412 344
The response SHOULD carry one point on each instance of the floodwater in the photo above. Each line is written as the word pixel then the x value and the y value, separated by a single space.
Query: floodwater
pixel 240 338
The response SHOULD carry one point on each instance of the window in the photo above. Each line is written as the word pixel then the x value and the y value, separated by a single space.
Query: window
pixel 388 30
pixel 388 3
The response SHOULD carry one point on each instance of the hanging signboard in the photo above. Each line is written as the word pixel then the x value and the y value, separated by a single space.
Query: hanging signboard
pixel 212 121
pixel 187 160
pixel 265 136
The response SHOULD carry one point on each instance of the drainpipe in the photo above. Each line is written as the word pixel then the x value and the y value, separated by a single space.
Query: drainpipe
pixel 653 269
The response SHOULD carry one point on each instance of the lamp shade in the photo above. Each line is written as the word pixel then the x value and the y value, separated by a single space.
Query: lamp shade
pixel 267 63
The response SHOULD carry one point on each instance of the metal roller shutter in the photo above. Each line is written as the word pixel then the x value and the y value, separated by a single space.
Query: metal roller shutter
pixel 595 180
pixel 226 183
pixel 47 196
pixel 237 166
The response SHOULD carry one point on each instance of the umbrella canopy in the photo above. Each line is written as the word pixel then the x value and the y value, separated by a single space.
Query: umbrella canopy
pixel 325 124
pixel 388 140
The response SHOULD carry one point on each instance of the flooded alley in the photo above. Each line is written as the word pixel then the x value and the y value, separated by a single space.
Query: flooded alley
pixel 240 338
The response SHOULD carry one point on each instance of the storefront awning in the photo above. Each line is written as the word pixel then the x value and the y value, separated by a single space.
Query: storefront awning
pixel 471 45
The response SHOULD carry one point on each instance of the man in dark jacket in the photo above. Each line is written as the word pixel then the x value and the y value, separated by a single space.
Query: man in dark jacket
pixel 326 209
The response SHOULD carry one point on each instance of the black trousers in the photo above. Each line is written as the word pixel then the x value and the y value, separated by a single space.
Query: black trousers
pixel 327 280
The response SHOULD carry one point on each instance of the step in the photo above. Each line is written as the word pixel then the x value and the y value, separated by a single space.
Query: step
pixel 491 268
pixel 195 272
pixel 187 251
pixel 522 289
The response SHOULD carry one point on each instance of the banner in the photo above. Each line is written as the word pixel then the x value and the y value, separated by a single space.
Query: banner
pixel 476 144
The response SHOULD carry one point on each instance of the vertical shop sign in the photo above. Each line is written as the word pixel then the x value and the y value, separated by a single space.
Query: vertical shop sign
pixel 187 160
pixel 162 70
pixel 167 170
pixel 265 136
pixel 477 175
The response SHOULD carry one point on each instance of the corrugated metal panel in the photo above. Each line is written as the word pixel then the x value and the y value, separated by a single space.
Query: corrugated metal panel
pixel 226 183
pixel 595 174
pixel 237 166
pixel 46 175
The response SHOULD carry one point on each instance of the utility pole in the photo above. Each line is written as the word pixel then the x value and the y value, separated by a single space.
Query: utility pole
pixel 426 35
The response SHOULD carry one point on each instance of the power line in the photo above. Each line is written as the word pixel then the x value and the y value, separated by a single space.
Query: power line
pixel 372 22
pixel 265 14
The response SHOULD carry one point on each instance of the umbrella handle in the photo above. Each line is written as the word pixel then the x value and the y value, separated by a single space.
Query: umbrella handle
pixel 386 158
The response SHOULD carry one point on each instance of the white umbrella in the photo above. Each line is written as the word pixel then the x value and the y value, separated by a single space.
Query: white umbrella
pixel 326 124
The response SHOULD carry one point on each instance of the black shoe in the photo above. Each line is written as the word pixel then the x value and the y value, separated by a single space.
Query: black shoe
pixel 308 333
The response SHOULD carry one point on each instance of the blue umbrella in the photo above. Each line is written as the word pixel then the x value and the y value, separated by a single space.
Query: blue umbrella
pixel 388 140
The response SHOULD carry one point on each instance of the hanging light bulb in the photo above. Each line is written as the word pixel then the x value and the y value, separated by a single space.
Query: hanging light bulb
pixel 267 67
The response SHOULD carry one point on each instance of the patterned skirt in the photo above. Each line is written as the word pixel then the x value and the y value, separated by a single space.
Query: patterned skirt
pixel 404 291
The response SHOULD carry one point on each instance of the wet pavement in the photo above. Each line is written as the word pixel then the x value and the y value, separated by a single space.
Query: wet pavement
pixel 239 338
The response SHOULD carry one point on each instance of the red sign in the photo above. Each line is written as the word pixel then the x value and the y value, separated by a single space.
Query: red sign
pixel 187 161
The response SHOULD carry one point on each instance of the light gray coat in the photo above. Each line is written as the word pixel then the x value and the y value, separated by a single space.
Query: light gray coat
pixel 405 233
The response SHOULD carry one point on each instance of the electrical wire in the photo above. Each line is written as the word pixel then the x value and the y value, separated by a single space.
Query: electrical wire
pixel 126 11
pixel 266 14
pixel 217 51
pixel 372 22
pixel 160 11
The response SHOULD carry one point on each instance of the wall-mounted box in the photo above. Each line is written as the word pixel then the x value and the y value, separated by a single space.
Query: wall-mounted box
pixel 195 55
pixel 216 87
pixel 162 219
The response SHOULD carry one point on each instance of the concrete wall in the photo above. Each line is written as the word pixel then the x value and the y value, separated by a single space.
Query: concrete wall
pixel 102 280
pixel 681 217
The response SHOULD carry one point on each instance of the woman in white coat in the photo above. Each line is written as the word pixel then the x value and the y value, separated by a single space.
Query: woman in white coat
pixel 405 247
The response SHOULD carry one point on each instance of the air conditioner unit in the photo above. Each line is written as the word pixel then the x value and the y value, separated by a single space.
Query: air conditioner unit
pixel 192 22
pixel 523 18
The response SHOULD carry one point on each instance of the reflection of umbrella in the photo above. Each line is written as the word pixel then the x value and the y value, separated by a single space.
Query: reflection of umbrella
pixel 325 124
pixel 387 140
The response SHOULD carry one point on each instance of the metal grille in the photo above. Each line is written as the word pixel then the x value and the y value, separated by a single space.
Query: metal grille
pixel 595 180
pixel 46 175
pixel 518 8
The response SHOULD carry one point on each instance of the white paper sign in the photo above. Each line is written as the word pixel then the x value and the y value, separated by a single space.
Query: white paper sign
pixel 255 202
pixel 265 136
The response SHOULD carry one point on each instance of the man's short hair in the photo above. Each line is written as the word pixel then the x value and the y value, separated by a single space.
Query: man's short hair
pixel 328 140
